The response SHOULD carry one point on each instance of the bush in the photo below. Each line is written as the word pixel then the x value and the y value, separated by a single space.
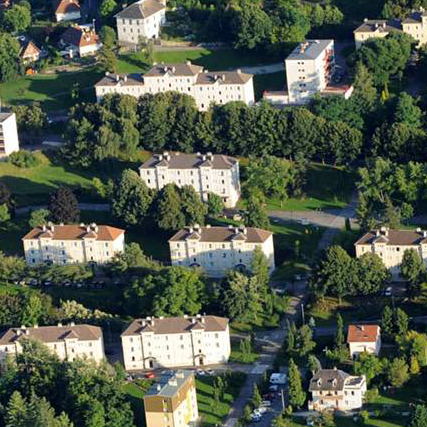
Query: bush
pixel 24 159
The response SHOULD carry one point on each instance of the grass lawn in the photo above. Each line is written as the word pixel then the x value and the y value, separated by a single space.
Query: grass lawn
pixel 135 396
pixel 289 269
pixel 52 90
pixel 237 356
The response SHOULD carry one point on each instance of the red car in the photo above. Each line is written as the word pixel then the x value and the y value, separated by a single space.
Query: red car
pixel 149 375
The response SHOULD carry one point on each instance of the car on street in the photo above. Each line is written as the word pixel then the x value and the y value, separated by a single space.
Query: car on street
pixel 273 387
pixel 388 291
pixel 200 372
pixel 210 371
pixel 304 221
pixel 149 375
pixel 265 403
pixel 256 418
pixel 260 411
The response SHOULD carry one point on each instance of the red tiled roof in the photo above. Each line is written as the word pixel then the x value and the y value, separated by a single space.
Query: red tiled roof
pixel 362 333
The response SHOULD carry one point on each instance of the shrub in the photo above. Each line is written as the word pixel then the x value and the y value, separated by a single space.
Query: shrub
pixel 24 159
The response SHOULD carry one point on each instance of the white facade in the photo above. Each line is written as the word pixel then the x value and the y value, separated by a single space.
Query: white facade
pixel 332 389
pixel 210 173
pixel 9 141
pixel 177 341
pixel 390 246
pixel 205 87
pixel 219 249
pixel 309 69
pixel 364 339
pixel 141 19
pixel 65 244
pixel 67 342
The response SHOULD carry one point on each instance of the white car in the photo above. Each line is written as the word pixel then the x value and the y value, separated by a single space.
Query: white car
pixel 388 291
pixel 265 404
pixel 260 411
pixel 304 221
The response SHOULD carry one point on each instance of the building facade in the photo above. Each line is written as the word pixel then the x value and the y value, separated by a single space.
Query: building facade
pixel 9 141
pixel 67 342
pixel 333 389
pixel 206 173
pixel 142 19
pixel 66 10
pixel 414 25
pixel 309 69
pixel 219 249
pixel 172 401
pixel 390 245
pixel 81 40
pixel 29 52
pixel 153 343
pixel 66 244
pixel 206 88
pixel 363 338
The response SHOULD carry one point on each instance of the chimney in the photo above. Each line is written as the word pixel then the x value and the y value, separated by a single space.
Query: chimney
pixel 335 368
pixel 23 327
pixel 35 326
pixel 107 73
pixel 143 323
pixel 384 24
pixel 82 224
pixel 236 230
pixel 245 231
pixel 161 317
pixel 204 158
pixel 88 229
pixel 44 227
pixel 185 316
pixel 179 374
pixel 190 229
pixel 210 155
pixel 159 387
pixel 193 320
pixel 203 320
pixel 188 62
pixel 61 224
pixel 72 324
pixel 59 324
pixel 208 226
pixel 365 19
pixel 173 382
pixel 117 78
pixel 173 69
pixel 424 233
pixel 27 332
pixel 199 316
pixel 419 230
pixel 239 71
pixel 377 232
pixel 125 78
pixel 230 227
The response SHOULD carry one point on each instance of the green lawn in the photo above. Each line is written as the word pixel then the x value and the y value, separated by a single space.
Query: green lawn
pixel 52 90
pixel 135 396
pixel 237 356
pixel 272 81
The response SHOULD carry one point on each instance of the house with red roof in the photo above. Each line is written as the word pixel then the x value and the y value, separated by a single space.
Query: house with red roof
pixel 81 40
pixel 66 10
pixel 364 338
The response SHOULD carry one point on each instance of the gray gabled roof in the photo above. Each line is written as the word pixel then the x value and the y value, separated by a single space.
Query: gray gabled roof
pixel 141 10
pixel 328 379
pixel 310 49
pixel 168 385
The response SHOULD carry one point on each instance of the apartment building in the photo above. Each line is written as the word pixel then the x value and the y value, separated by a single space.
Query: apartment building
pixel 172 401
pixel 66 244
pixel 390 245
pixel 206 173
pixel 364 338
pixel 66 10
pixel 153 343
pixel 205 87
pixel 219 249
pixel 414 25
pixel 9 141
pixel 81 40
pixel 66 341
pixel 333 389
pixel 142 19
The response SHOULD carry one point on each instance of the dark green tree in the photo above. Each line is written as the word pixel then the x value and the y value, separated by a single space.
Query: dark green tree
pixel 296 393
pixel 16 18
pixel 419 416
pixel 63 206
pixel 256 397
pixel 108 36
pixel 193 208
pixel 215 205
pixel 369 365
pixel 412 269
pixel 387 323
pixel 167 209
pixel 339 336
pixel 10 62
pixel 397 372
pixel 373 274
pixel 401 322
pixel 256 214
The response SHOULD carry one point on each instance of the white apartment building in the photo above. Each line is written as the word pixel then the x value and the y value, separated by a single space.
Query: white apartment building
pixel 205 87
pixel 9 141
pixel 333 389
pixel 67 342
pixel 219 249
pixel 390 245
pixel 206 173
pixel 65 244
pixel 66 10
pixel 153 343
pixel 414 25
pixel 363 339
pixel 142 19
pixel 172 401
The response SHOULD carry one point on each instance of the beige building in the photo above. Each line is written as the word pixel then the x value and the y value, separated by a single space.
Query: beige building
pixel 65 244
pixel 142 19
pixel 205 87
pixel 219 249
pixel 81 40
pixel 9 141
pixel 363 338
pixel 153 343
pixel 66 10
pixel 206 173
pixel 390 245
pixel 414 25
pixel 172 401
pixel 29 52
pixel 67 342
pixel 333 389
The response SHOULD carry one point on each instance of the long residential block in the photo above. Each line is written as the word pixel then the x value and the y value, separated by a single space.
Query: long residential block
pixel 206 173
pixel 65 244
pixel 66 341
pixel 205 87
pixel 9 141
pixel 219 249
pixel 175 341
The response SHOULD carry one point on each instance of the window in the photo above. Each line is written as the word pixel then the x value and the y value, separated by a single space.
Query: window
pixel 224 255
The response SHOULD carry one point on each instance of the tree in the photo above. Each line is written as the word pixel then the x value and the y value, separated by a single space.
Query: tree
pixel 255 214
pixel 4 214
pixel 108 59
pixel 412 269
pixel 10 266
pixel 107 7
pixel 369 365
pixel 365 94
pixel 108 36
pixel 397 373
pixel 192 207
pixel 414 367
pixel 38 218
pixel 16 18
pixel 30 119
pixel 5 197
pixel 339 336
pixel 167 208
pixel 419 416
pixel 256 397
pixel 10 63
pixel 260 269
pixel 373 274
pixel 296 392
pixel 313 364
pixel 414 344
pixel 290 337
pixel 215 205
pixel 401 322
pixel 131 199
pixel 304 343
pixel 406 110
pixel 387 324
pixel 63 206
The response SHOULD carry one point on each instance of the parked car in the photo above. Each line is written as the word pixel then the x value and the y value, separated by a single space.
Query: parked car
pixel 256 418
pixel 388 291
pixel 261 410
pixel 304 221
pixel 210 371
pixel 273 387
pixel 149 375
pixel 200 372
pixel 265 403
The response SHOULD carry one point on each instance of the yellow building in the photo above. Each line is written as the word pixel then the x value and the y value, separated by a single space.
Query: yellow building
pixel 172 401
